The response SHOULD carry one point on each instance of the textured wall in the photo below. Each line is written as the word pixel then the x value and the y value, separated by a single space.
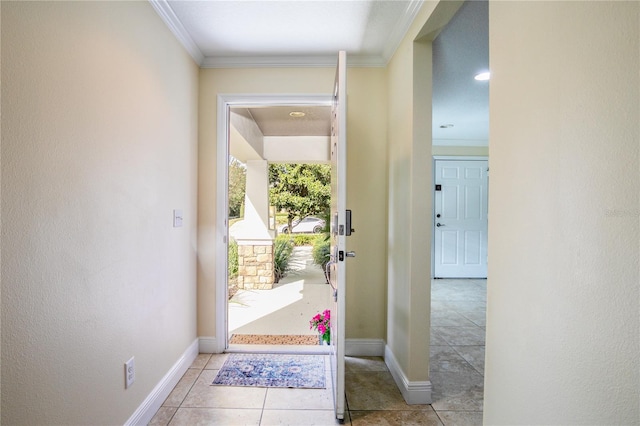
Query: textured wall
pixel 99 110
pixel 563 287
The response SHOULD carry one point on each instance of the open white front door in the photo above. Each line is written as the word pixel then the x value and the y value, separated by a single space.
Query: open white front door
pixel 338 230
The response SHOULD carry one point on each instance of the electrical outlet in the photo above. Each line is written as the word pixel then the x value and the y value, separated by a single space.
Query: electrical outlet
pixel 129 372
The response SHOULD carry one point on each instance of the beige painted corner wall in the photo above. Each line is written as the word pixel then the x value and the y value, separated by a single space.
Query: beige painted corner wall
pixel 366 187
pixel 99 145
pixel 410 201
pixel 563 307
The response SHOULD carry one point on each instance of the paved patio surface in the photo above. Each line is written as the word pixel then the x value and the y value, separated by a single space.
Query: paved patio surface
pixel 288 307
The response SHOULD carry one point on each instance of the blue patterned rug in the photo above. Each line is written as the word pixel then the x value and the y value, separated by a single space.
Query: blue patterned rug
pixel 272 370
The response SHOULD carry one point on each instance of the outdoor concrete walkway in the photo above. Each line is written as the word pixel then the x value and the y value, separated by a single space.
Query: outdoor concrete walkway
pixel 288 307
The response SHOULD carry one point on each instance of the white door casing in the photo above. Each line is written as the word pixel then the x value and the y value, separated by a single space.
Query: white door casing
pixel 219 343
pixel 338 233
pixel 460 218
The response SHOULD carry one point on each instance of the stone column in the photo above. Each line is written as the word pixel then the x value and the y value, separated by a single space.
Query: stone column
pixel 255 240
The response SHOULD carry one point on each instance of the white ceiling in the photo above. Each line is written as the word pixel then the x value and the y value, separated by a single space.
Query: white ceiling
pixel 247 33
pixel 277 121
pixel 460 52
pixel 222 33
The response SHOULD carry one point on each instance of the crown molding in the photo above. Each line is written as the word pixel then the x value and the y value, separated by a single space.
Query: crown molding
pixel 169 17
pixel 318 61
pixel 400 30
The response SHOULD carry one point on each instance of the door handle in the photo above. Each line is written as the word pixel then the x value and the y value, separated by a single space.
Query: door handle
pixel 439 224
pixel 342 255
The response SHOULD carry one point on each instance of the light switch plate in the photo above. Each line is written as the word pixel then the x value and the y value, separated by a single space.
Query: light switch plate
pixel 177 218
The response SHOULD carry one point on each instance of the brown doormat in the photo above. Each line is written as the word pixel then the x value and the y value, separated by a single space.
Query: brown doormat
pixel 274 339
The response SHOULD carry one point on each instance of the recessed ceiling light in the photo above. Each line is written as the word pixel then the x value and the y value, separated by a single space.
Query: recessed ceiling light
pixel 297 114
pixel 446 126
pixel 483 76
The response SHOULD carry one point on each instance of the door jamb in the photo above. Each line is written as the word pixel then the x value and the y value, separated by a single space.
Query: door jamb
pixel 224 103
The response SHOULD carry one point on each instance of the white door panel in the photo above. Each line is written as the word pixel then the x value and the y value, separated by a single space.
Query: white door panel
pixel 338 227
pixel 460 228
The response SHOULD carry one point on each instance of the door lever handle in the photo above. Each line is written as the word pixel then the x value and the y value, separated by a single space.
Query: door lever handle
pixel 439 224
pixel 351 254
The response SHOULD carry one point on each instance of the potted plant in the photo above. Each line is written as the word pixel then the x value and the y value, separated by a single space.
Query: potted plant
pixel 322 324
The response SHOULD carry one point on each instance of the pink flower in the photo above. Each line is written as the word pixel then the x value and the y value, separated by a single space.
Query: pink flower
pixel 322 323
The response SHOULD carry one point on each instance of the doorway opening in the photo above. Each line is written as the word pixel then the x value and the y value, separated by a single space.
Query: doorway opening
pixel 279 283
pixel 261 310
pixel 460 134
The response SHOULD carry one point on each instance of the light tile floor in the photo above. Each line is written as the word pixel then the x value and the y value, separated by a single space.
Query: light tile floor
pixel 457 375
pixel 458 311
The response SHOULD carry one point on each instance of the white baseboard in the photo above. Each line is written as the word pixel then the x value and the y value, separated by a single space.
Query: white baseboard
pixel 209 345
pixel 364 347
pixel 151 404
pixel 412 392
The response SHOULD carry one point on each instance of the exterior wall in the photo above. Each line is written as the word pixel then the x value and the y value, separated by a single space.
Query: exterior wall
pixel 98 147
pixel 563 333
pixel 366 187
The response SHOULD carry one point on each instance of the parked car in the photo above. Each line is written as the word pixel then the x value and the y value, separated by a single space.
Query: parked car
pixel 308 224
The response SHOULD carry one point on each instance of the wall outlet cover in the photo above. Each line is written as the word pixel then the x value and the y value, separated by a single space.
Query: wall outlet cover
pixel 129 372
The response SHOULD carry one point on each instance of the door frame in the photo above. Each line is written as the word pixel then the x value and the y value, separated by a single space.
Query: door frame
pixel 224 104
pixel 433 196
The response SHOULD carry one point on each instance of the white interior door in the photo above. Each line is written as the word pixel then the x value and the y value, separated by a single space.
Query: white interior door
pixel 460 219
pixel 338 231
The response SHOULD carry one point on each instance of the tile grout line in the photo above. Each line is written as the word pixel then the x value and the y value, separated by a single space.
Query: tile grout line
pixel 264 404
pixel 190 387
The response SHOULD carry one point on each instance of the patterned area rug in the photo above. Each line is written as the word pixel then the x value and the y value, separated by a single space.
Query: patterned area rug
pixel 274 339
pixel 272 370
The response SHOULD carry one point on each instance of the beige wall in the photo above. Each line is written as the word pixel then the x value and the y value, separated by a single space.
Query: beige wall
pixel 473 151
pixel 563 295
pixel 410 201
pixel 366 188
pixel 99 143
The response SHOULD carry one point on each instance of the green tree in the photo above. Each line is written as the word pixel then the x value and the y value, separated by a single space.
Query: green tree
pixel 300 189
pixel 237 186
